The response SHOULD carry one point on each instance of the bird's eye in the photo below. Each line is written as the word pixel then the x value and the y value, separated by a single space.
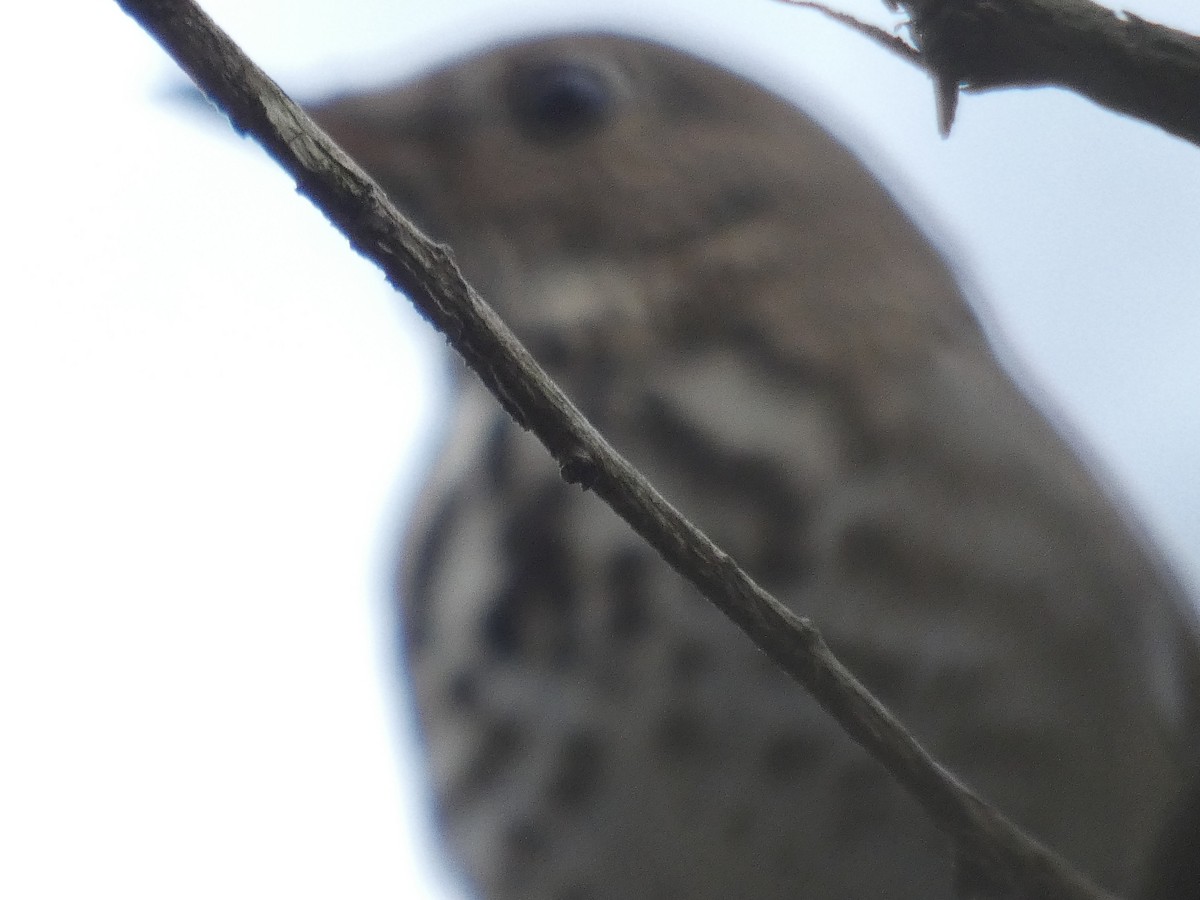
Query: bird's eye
pixel 559 101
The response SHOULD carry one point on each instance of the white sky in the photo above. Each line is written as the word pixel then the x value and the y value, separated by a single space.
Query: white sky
pixel 208 408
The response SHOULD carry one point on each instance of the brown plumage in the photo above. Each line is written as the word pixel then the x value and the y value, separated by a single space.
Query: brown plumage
pixel 749 317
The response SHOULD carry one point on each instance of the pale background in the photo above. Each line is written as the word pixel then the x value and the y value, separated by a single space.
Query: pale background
pixel 210 411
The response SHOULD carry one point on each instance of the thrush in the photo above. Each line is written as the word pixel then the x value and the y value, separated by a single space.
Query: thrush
pixel 750 317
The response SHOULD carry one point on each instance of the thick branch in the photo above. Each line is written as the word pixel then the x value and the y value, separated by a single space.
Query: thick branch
pixel 1123 62
pixel 426 273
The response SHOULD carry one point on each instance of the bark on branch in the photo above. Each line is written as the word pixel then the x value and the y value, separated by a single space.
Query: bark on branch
pixel 1119 60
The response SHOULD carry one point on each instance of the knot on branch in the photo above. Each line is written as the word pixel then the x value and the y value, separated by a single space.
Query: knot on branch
pixel 577 466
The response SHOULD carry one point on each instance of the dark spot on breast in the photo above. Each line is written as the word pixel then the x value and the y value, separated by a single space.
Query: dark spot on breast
pixel 870 546
pixel 463 690
pixel 527 842
pixel 578 773
pixel 689 661
pixel 628 572
pixel 499 745
pixel 681 734
pixel 501 626
pixel 788 756
pixel 534 617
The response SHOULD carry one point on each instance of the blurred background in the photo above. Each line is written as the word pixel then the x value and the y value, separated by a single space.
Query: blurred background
pixel 212 413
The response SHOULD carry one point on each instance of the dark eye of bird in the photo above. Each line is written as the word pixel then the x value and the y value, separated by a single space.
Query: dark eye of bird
pixel 559 101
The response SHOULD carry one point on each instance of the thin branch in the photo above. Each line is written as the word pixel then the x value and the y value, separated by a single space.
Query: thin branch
pixel 425 272
pixel 1119 60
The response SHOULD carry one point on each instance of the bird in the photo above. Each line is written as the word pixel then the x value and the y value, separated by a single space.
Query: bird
pixel 751 318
